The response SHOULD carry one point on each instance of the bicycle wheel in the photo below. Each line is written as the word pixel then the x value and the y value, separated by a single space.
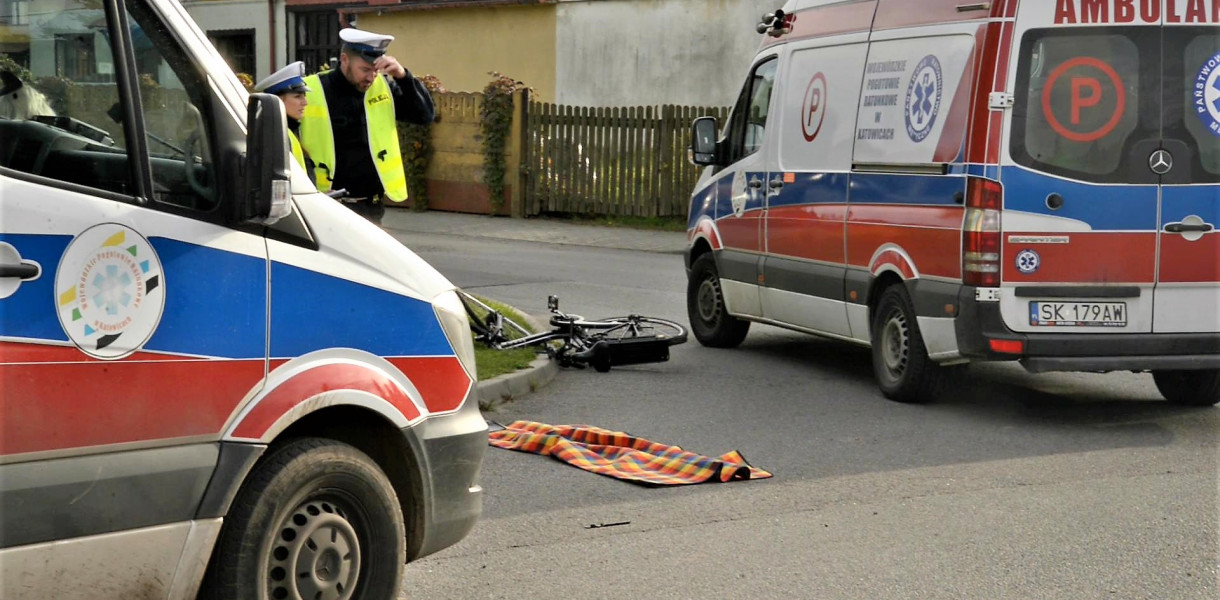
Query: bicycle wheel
pixel 635 327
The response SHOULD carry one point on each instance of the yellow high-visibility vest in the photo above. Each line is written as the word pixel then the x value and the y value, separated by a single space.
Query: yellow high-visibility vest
pixel 297 152
pixel 319 141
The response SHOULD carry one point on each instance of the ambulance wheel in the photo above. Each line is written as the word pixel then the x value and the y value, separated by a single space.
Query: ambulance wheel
pixel 316 519
pixel 1189 388
pixel 709 315
pixel 901 364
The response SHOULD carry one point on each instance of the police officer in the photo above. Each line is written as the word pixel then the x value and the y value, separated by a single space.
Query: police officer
pixel 289 84
pixel 349 128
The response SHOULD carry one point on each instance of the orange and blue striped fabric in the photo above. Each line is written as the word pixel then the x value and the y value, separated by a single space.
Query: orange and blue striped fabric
pixel 621 455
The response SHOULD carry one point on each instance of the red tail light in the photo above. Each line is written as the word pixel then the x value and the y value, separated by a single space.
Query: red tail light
pixel 981 233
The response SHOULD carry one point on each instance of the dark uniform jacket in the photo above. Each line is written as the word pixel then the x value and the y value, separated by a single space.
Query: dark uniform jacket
pixel 355 171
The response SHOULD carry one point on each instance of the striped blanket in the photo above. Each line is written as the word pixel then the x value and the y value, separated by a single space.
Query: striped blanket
pixel 622 456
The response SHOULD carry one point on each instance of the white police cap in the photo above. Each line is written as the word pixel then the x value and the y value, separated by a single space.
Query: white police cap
pixel 368 44
pixel 291 78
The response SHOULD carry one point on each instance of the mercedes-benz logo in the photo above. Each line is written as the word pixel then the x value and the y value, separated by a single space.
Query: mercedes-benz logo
pixel 1160 162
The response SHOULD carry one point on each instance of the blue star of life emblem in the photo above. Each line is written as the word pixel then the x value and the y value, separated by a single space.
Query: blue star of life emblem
pixel 1028 261
pixel 923 98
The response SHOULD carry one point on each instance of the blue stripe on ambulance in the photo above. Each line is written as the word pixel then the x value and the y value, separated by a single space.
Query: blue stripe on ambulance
pixel 312 311
pixel 923 190
pixel 30 312
pixel 813 188
pixel 192 322
pixel 1104 207
pixel 1185 200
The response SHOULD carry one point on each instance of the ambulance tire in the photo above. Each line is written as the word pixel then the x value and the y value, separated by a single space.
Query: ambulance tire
pixel 313 515
pixel 709 316
pixel 1189 388
pixel 901 365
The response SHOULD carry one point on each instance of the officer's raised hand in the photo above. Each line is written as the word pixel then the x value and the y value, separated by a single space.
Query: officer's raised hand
pixel 390 66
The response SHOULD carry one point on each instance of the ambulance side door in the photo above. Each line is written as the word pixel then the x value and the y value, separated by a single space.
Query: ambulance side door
pixel 741 189
pixel 807 203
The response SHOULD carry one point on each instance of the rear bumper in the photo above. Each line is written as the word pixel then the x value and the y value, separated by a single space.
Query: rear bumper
pixel 980 322
pixel 451 450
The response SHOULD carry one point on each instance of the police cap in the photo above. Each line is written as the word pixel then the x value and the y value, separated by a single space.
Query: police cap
pixel 291 78
pixel 368 44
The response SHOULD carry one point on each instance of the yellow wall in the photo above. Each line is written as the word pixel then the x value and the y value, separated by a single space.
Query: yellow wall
pixel 460 45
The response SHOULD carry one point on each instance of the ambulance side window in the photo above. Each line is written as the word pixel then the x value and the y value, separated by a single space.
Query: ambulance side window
pixel 58 83
pixel 174 98
pixel 748 126
pixel 62 117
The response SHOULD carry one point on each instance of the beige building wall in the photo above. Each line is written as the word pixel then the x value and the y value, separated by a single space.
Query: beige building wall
pixel 460 45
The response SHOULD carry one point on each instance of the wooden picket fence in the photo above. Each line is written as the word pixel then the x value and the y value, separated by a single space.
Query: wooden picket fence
pixel 628 161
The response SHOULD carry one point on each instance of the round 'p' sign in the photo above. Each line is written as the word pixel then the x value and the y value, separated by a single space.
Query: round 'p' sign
pixel 1084 99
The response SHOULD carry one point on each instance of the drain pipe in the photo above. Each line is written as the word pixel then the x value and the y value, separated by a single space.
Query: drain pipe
pixel 271 42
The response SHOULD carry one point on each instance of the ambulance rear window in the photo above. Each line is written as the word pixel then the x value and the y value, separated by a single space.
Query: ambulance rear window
pixel 1084 98
pixel 1192 98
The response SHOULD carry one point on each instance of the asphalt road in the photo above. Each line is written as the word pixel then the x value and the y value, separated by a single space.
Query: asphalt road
pixel 1015 486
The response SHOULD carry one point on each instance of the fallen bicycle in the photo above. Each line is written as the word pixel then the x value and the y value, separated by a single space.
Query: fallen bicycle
pixel 576 342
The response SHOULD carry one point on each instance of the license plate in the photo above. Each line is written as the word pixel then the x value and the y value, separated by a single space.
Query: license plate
pixel 1078 314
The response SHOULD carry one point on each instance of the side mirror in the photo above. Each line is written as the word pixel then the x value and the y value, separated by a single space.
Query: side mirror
pixel 703 141
pixel 268 191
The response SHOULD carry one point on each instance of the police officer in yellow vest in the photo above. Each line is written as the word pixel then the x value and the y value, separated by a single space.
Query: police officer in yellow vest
pixel 349 128
pixel 289 84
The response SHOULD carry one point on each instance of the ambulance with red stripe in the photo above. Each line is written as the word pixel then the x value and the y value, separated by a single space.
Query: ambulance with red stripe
pixel 950 181
pixel 212 377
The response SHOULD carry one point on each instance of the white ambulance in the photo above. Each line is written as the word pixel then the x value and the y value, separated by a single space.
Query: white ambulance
pixel 950 181
pixel 212 377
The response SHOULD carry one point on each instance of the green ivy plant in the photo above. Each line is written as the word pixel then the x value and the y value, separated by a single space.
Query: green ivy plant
pixel 417 150
pixel 496 117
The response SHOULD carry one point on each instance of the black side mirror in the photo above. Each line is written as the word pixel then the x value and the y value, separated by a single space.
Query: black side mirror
pixel 268 191
pixel 703 141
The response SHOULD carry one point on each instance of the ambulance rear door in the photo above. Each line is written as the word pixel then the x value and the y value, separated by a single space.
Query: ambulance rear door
pixel 1187 295
pixel 1081 216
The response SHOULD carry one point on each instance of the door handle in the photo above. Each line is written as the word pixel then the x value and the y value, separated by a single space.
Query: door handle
pixel 21 271
pixel 1189 227
pixel 756 183
pixel 777 183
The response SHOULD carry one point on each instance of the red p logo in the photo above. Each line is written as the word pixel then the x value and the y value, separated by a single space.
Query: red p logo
pixel 1079 101
pixel 1087 92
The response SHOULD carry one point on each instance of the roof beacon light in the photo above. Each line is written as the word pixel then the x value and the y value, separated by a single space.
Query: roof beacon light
pixel 776 24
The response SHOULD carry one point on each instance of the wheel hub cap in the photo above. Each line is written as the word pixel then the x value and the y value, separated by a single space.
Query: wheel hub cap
pixel 894 345
pixel 709 300
pixel 316 555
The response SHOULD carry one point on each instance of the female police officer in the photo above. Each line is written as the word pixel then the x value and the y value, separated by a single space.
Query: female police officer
pixel 289 84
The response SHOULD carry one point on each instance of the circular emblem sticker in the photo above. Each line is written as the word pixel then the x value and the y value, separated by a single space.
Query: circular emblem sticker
pixel 923 98
pixel 110 291
pixel 1028 261
pixel 1206 95
pixel 813 108
pixel 739 194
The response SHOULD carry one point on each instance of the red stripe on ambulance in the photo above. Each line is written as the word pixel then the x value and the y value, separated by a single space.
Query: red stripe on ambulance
pixel 925 232
pixel 1113 258
pixel 56 406
pixel 811 232
pixel 319 380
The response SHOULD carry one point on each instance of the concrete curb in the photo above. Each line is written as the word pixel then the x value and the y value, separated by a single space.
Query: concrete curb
pixel 517 384
pixel 511 386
